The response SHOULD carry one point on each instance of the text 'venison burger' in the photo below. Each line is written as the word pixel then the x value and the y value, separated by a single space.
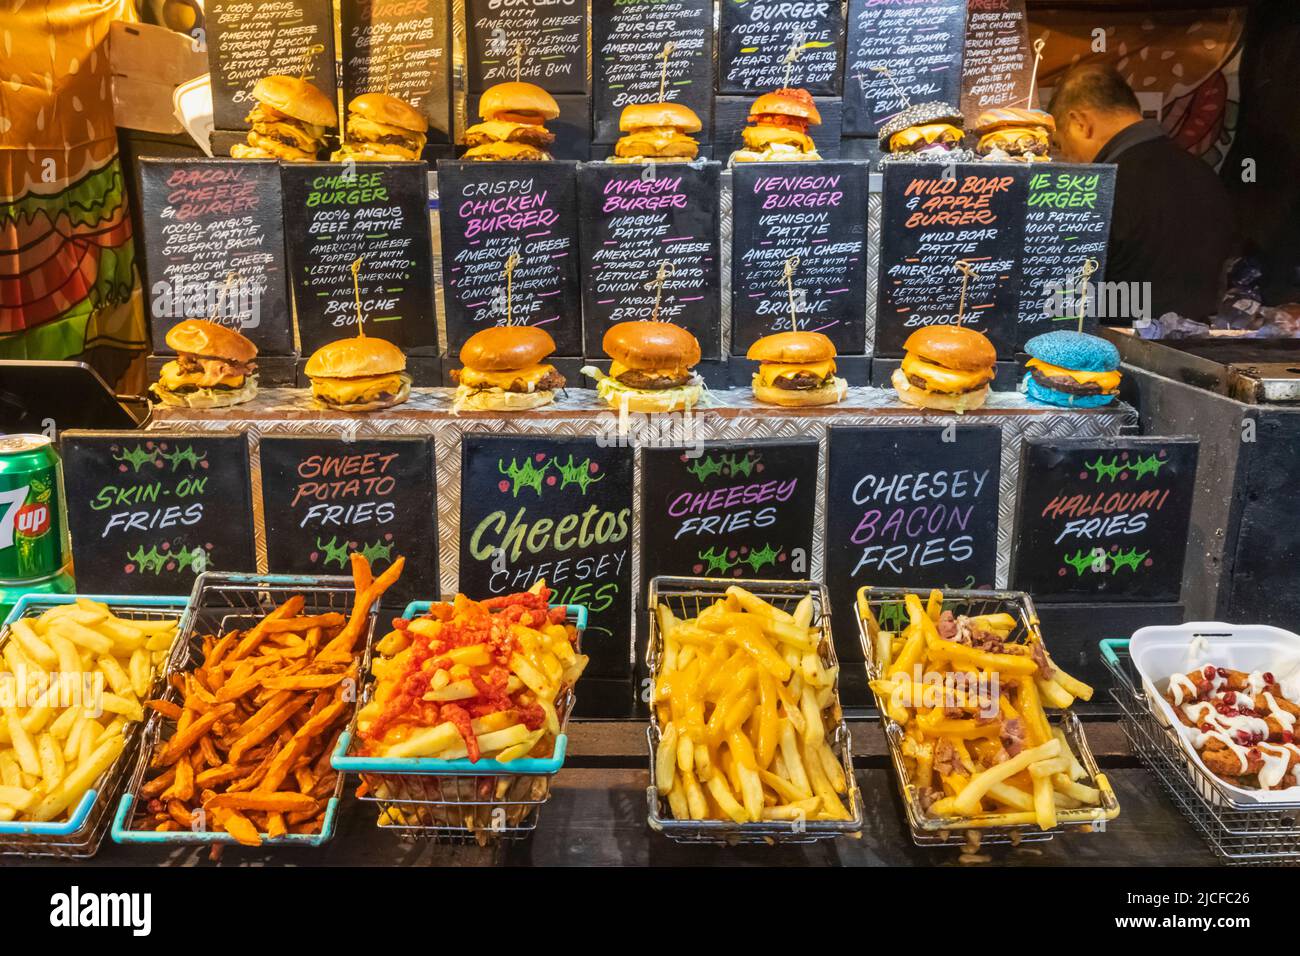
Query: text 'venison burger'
pixel 288 122
pixel 359 374
pixel 778 128
pixel 946 367
pixel 505 370
pixel 382 128
pixel 513 128
pixel 651 368
pixel 214 367
pixel 925 131
pixel 796 369
pixel 1072 369
pixel 657 132
pixel 1016 134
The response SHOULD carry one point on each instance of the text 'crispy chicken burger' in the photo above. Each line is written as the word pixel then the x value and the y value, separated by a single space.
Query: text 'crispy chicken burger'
pixel 1017 134
pixel 946 367
pixel 651 368
pixel 796 369
pixel 513 129
pixel 288 122
pixel 382 128
pixel 213 367
pixel 658 133
pixel 925 131
pixel 360 374
pixel 778 128
pixel 505 370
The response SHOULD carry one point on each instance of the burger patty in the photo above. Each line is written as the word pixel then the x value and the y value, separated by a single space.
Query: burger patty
pixel 377 397
pixel 1063 383
pixel 1025 146
pixel 798 382
pixel 925 386
pixel 638 378
pixel 547 383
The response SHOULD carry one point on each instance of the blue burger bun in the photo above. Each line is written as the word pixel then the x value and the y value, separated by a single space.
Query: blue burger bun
pixel 1075 350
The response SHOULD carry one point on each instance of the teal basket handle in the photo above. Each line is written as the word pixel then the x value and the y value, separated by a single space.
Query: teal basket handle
pixel 1110 651
pixel 1108 648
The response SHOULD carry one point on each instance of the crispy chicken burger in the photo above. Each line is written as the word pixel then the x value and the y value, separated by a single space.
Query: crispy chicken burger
pixel 657 133
pixel 513 128
pixel 1017 134
pixel 360 374
pixel 651 368
pixel 213 367
pixel 778 128
pixel 505 370
pixel 946 367
pixel 288 122
pixel 796 369
pixel 382 128
pixel 925 131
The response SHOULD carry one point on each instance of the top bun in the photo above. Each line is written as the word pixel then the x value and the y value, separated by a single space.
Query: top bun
pixel 506 348
pixel 389 110
pixel 1007 116
pixel 517 98
pixel 294 96
pixel 647 346
pixel 355 357
pixel 788 102
pixel 1074 350
pixel 201 337
pixel 920 114
pixel 792 348
pixel 952 346
pixel 644 115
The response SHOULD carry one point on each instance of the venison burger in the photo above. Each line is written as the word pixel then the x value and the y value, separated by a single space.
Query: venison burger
pixel 360 374
pixel 513 128
pixel 797 369
pixel 946 367
pixel 651 369
pixel 505 370
pixel 382 128
pixel 657 132
pixel 288 122
pixel 213 368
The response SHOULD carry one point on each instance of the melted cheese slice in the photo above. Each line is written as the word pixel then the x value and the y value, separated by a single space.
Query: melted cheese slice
pixel 530 376
pixel 1107 381
pixel 495 129
pixel 347 391
pixel 940 379
pixel 171 377
pixel 769 372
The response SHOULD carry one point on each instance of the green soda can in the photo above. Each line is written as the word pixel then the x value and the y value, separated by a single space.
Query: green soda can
pixel 31 518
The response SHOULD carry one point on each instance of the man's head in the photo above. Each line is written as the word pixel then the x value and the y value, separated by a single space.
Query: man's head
pixel 1091 104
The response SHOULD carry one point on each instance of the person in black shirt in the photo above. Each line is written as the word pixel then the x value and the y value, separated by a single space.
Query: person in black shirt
pixel 1172 224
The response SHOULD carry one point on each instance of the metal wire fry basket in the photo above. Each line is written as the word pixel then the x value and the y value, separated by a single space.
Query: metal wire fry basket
pixel 1242 834
pixel 686 598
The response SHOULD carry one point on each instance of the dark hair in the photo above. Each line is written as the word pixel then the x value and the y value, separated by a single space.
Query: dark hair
pixel 1095 86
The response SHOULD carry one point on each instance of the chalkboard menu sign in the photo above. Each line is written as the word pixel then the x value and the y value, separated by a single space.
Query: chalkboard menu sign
pixel 732 510
pixel 248 40
pixel 554 38
pixel 378 212
pixel 1067 221
pixel 326 497
pixel 487 212
pixel 919 42
pixel 627 38
pixel 909 507
pixel 934 216
pixel 998 62
pixel 757 36
pixel 558 509
pixel 1103 519
pixel 402 47
pixel 814 212
pixel 634 218
pixel 206 220
pixel 150 511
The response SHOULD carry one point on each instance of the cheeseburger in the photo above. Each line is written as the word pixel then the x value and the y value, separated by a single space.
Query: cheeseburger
pixel 513 128
pixel 797 368
pixel 505 370
pixel 946 367
pixel 213 367
pixel 656 133
pixel 1072 370
pixel 1015 134
pixel 778 128
pixel 382 128
pixel 651 368
pixel 288 122
pixel 360 374
pixel 926 131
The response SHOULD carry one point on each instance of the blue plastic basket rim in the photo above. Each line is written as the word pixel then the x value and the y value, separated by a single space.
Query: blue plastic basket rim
pixel 433 767
pixel 122 832
pixel 66 828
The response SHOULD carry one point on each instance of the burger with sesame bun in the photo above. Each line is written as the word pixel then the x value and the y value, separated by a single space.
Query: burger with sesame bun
pixel 514 124
pixel 505 370
pixel 382 128
pixel 930 132
pixel 778 128
pixel 657 133
pixel 651 368
pixel 1011 133
pixel 796 369
pixel 946 367
pixel 288 122
pixel 214 367
pixel 360 374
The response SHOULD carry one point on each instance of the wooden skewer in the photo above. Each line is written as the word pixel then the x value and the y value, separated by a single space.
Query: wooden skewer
pixel 304 65
pixel 889 75
pixel 519 59
pixel 967 273
pixel 792 54
pixel 791 265
pixel 663 72
pixel 356 292
pixel 666 269
pixel 511 261
pixel 1033 75
pixel 1090 266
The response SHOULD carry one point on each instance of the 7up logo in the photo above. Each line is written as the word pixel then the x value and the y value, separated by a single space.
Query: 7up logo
pixel 32 520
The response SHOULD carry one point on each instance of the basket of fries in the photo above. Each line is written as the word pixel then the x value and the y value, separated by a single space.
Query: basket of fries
pixel 747 739
pixel 71 730
pixel 261 686
pixel 963 682
pixel 463 750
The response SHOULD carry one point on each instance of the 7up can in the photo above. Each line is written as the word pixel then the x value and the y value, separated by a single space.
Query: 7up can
pixel 31 521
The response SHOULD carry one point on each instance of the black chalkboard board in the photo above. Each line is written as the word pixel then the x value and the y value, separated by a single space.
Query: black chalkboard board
pixel 757 36
pixel 554 34
pixel 325 497
pixel 627 38
pixel 933 216
pixel 203 220
pixel 997 61
pixel 1103 519
pixel 558 509
pixel 376 211
pixel 634 217
pixel 489 210
pixel 150 511
pixel 918 41
pixel 402 47
pixel 248 40
pixel 909 507
pixel 815 212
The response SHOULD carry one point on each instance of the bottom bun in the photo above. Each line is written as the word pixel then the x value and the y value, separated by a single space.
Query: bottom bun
pixel 402 395
pixel 827 394
pixel 207 397
pixel 650 402
pixel 497 400
pixel 939 401
pixel 1050 396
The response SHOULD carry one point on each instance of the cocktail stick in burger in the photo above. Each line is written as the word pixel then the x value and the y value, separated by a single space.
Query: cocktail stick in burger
pixel 505 370
pixel 651 368
pixel 288 122
pixel 1012 133
pixel 946 367
pixel 360 374
pixel 778 128
pixel 513 128
pixel 925 132
pixel 213 367
pixel 657 133
pixel 382 128
pixel 796 369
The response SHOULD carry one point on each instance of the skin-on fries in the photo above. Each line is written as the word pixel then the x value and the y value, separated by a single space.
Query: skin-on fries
pixel 257 721
pixel 745 706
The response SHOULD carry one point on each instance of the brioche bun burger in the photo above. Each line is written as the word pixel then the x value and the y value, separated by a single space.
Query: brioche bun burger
pixel 651 368
pixel 778 128
pixel 1072 370
pixel 931 132
pixel 214 367
pixel 797 369
pixel 1016 134
pixel 514 124
pixel 360 374
pixel 946 367
pixel 505 370
pixel 657 133
pixel 288 122
pixel 382 128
